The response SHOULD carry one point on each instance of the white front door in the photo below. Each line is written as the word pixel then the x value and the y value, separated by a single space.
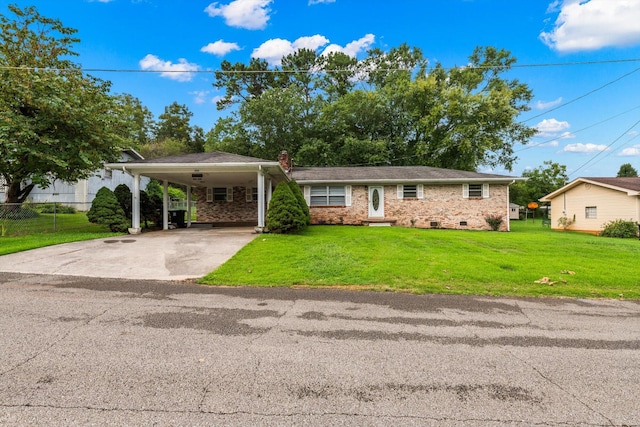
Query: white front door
pixel 376 202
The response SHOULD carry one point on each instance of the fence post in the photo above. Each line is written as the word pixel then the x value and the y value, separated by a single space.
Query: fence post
pixel 54 217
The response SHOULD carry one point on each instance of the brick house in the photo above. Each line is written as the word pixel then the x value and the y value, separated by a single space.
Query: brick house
pixel 236 190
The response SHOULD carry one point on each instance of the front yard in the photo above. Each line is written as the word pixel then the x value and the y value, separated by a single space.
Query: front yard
pixel 531 260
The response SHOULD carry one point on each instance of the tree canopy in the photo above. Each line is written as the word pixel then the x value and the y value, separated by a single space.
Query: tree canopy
pixel 627 170
pixel 56 122
pixel 387 109
pixel 540 181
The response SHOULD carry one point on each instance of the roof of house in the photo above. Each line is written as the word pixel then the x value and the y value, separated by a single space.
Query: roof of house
pixel 391 174
pixel 629 185
pixel 209 157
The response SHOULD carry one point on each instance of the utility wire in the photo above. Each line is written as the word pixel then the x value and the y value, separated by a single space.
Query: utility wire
pixel 317 71
pixel 605 148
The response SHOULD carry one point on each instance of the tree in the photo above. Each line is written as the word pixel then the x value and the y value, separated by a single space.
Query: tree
pixel 627 170
pixel 398 114
pixel 541 181
pixel 55 121
pixel 106 210
pixel 284 214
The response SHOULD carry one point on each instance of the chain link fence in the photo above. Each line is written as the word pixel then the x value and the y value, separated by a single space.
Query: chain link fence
pixel 34 218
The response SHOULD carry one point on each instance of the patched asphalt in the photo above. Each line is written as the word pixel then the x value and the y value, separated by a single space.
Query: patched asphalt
pixel 89 351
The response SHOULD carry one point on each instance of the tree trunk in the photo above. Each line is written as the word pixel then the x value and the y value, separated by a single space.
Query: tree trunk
pixel 17 194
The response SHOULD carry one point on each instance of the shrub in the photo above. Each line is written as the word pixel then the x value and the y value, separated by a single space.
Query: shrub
pixel 124 196
pixel 494 221
pixel 295 188
pixel 284 214
pixel 150 208
pixel 565 222
pixel 106 210
pixel 620 228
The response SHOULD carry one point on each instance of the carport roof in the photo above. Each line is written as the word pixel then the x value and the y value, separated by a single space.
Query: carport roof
pixel 210 169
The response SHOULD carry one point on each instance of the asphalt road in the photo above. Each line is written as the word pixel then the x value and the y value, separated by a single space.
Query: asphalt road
pixel 86 351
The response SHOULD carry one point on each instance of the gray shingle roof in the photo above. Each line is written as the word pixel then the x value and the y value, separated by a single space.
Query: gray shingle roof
pixel 390 173
pixel 210 157
pixel 628 183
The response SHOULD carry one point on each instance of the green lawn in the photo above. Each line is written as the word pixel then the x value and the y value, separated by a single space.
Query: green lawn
pixel 22 235
pixel 441 261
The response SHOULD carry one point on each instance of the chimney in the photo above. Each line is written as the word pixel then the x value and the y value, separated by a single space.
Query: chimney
pixel 285 162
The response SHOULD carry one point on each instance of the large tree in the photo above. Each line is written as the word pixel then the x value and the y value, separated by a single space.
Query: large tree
pixel 56 122
pixel 388 108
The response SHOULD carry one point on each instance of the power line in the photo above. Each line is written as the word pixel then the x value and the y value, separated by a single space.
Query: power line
pixel 605 148
pixel 316 71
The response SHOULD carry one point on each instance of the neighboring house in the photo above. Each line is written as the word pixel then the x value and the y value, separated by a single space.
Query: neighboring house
pixel 592 202
pixel 81 194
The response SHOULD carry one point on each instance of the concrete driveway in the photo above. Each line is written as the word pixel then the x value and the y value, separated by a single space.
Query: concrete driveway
pixel 159 255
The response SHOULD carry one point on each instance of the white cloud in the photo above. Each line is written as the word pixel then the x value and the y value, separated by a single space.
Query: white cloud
pixel 633 133
pixel 553 143
pixel 630 152
pixel 551 127
pixel 275 49
pixel 200 96
pixel 354 48
pixel 220 48
pixel 182 71
pixel 567 135
pixel 542 105
pixel 584 148
pixel 312 2
pixel 593 24
pixel 247 14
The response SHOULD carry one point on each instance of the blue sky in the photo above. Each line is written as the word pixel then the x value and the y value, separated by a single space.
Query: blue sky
pixel 585 54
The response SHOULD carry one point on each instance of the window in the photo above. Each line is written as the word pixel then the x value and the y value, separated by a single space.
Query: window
pixel 108 174
pixel 411 191
pixel 220 194
pixel 252 194
pixel 591 212
pixel 327 195
pixel 475 191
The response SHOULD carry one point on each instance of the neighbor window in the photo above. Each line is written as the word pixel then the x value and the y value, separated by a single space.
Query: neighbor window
pixel 219 194
pixel 108 174
pixel 591 212
pixel 327 195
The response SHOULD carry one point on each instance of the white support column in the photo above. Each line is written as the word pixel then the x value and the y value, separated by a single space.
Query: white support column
pixel 188 206
pixel 269 192
pixel 261 204
pixel 135 205
pixel 165 205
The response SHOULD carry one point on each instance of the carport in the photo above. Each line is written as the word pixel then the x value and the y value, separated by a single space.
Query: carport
pixel 203 170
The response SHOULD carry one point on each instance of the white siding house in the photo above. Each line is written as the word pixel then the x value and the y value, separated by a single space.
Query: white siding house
pixel 81 194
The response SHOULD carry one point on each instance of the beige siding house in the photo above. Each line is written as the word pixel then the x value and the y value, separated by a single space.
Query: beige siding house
pixel 592 202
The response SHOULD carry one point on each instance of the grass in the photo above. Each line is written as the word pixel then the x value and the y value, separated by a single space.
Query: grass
pixel 440 261
pixel 39 232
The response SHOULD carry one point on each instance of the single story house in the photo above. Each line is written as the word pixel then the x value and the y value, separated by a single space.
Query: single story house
pixel 233 189
pixel 81 194
pixel 592 202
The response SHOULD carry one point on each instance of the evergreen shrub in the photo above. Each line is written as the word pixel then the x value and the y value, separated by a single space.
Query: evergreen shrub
pixel 106 210
pixel 284 214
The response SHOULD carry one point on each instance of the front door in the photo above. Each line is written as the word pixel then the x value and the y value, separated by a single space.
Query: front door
pixel 376 202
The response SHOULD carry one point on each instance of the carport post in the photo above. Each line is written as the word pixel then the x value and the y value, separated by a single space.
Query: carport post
pixel 260 199
pixel 135 204
pixel 165 205
pixel 188 206
pixel 269 192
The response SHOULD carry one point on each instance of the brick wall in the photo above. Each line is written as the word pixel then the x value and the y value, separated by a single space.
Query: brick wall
pixel 442 204
pixel 238 211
